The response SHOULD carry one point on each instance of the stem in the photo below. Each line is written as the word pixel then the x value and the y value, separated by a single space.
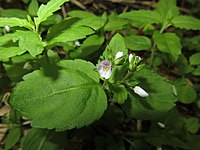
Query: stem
pixel 46 56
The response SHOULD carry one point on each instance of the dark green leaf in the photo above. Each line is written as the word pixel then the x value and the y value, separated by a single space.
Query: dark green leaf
pixel 12 138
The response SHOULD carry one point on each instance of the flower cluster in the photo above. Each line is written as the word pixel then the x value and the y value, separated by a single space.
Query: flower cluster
pixel 105 70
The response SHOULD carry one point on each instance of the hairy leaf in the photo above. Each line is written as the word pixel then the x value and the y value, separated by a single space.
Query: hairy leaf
pixel 74 99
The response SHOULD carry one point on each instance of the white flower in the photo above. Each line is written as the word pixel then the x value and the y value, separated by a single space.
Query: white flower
pixel 119 55
pixel 161 125
pixel 138 90
pixel 130 57
pixel 7 28
pixel 77 43
pixel 104 69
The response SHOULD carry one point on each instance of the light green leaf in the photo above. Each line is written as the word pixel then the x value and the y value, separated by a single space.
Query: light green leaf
pixel 92 22
pixel 186 22
pixel 80 14
pixel 116 44
pixel 142 16
pixel 13 22
pixel 47 10
pixel 29 41
pixel 70 34
pixel 89 46
pixel 7 52
pixel 160 100
pixel 12 138
pixel 137 43
pixel 5 39
pixel 33 7
pixel 40 139
pixel 168 43
pixel 195 59
pixel 74 99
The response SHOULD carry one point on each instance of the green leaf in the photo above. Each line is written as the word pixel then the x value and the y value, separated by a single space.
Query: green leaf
pixel 13 22
pixel 192 125
pixel 160 100
pixel 80 14
pixel 33 7
pixel 120 93
pixel 116 44
pixel 137 43
pixel 29 41
pixel 115 23
pixel 58 105
pixel 142 16
pixel 70 34
pixel 5 39
pixel 186 93
pixel 18 13
pixel 12 138
pixel 195 59
pixel 6 53
pixel 168 43
pixel 40 139
pixel 92 22
pixel 47 10
pixel 186 22
pixel 89 46
pixel 167 10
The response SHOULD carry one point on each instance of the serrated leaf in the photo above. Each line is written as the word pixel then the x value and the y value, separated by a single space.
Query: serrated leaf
pixel 5 39
pixel 29 41
pixel 13 22
pixel 47 10
pixel 168 43
pixel 40 139
pixel 74 99
pixel 186 22
pixel 137 43
pixel 195 59
pixel 89 46
pixel 142 16
pixel 7 52
pixel 192 124
pixel 120 93
pixel 160 100
pixel 70 34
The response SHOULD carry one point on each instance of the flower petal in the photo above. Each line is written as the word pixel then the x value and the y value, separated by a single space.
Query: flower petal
pixel 119 55
pixel 138 90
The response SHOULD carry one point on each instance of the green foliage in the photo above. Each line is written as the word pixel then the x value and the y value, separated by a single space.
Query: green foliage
pixel 43 139
pixel 29 41
pixel 132 78
pixel 168 43
pixel 59 106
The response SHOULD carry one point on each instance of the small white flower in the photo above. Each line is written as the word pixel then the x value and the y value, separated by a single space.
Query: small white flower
pixel 130 57
pixel 138 90
pixel 7 28
pixel 161 125
pixel 77 43
pixel 104 69
pixel 119 55
pixel 138 58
